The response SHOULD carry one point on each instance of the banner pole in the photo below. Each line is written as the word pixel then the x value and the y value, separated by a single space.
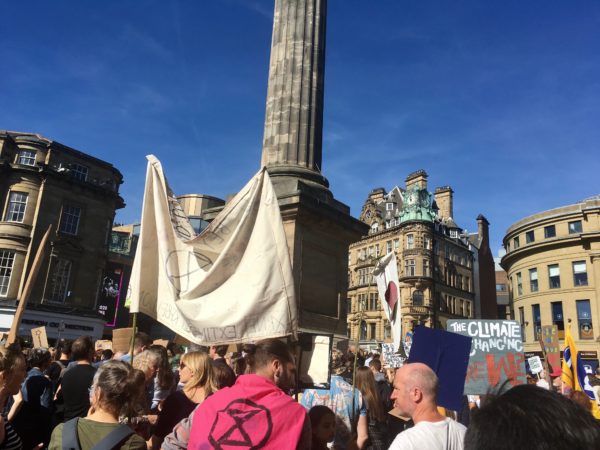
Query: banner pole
pixel 35 267
pixel 360 317
pixel 132 343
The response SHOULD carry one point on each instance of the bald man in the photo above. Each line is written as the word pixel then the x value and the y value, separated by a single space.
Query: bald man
pixel 415 396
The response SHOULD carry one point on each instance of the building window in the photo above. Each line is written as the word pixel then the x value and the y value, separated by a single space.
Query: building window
pixel 377 251
pixel 529 237
pixel 387 330
pixel 537 321
pixel 7 259
pixel 468 309
pixel 426 268
pixel 389 206
pixel 396 244
pixel 501 287
pixel 522 322
pixel 575 227
pixel 454 233
pixel 363 331
pixel 468 284
pixel 60 281
pixel 79 172
pixel 519 284
pixel 516 242
pixel 16 207
pixel 427 243
pixel 348 305
pixel 580 273
pixel 533 280
pixel 410 241
pixel 373 327
pixel 373 306
pixel 549 231
pixel 409 268
pixel 27 157
pixel 388 247
pixel 69 222
pixel 418 298
pixel 558 319
pixel 554 276
pixel 584 319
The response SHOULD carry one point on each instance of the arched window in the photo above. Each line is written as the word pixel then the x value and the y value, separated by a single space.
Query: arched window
pixel 363 330
pixel 418 298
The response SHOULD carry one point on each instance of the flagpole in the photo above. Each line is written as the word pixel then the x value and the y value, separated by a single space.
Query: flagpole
pixel 360 317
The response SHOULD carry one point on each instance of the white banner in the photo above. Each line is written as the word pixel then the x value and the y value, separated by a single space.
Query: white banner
pixel 232 283
pixel 386 274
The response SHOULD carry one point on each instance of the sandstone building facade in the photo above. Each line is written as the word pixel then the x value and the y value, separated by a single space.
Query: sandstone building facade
pixel 444 273
pixel 553 265
pixel 42 183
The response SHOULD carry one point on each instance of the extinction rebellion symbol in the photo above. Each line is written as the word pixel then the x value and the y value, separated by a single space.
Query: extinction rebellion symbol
pixel 243 424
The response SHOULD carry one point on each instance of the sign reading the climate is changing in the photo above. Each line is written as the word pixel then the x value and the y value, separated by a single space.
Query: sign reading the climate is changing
pixel 496 357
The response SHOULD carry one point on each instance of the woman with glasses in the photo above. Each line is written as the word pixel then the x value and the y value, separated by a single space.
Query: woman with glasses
pixel 198 379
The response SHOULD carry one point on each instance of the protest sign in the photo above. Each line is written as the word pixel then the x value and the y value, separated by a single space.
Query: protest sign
pixel 550 346
pixel 390 357
pixel 496 354
pixel 40 338
pixel 161 342
pixel 447 354
pixel 103 344
pixel 121 340
pixel 313 369
pixel 535 364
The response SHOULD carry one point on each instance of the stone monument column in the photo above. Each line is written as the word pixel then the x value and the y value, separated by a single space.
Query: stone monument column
pixel 293 138
pixel 318 228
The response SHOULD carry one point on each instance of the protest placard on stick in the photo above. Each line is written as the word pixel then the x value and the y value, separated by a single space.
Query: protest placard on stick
pixel 40 337
pixel 122 339
pixel 103 344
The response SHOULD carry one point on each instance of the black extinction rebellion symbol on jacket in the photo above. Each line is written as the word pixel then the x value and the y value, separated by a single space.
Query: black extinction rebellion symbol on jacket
pixel 242 423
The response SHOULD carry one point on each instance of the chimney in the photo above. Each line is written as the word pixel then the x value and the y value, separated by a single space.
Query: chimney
pixel 483 229
pixel 418 178
pixel 444 201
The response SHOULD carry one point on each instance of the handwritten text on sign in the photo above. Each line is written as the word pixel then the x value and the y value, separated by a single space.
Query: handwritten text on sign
pixel 496 353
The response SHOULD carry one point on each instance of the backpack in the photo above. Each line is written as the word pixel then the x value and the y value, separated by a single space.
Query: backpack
pixel 111 441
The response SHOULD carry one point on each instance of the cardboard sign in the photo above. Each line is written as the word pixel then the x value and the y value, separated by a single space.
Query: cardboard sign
pixel 390 357
pixel 315 354
pixel 161 342
pixel 40 338
pixel 496 355
pixel 103 344
pixel 447 354
pixel 121 340
pixel 550 346
pixel 535 364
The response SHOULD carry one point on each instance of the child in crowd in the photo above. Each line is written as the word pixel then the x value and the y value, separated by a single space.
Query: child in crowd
pixel 322 420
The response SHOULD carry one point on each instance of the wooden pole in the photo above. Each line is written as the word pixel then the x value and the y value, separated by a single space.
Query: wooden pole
pixel 35 268
pixel 132 344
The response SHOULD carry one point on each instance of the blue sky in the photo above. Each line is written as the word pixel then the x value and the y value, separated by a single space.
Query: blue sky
pixel 500 100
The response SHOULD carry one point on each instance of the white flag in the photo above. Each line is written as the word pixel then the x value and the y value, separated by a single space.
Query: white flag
pixel 232 283
pixel 386 274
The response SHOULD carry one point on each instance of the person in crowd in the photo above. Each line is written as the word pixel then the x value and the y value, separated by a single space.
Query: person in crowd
pixel 258 401
pixel 196 373
pixel 147 362
pixel 33 421
pixel 226 374
pixel 348 405
pixel 12 374
pixel 115 390
pixel 57 367
pixel 142 342
pixel 174 351
pixel 529 417
pixel 322 422
pixel 383 387
pixel 377 438
pixel 238 363
pixel 415 396
pixel 164 382
pixel 77 380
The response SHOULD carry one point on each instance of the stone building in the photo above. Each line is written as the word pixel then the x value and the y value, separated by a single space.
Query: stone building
pixel 43 183
pixel 444 273
pixel 553 264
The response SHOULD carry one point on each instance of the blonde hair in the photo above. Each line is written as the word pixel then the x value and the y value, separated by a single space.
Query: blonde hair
pixel 203 375
pixel 10 358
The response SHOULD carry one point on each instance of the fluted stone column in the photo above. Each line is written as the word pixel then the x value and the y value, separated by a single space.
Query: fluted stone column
pixel 293 138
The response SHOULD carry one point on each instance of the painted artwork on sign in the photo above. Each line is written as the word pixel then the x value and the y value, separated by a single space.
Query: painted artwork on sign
pixel 390 357
pixel 110 293
pixel 496 357
pixel 550 341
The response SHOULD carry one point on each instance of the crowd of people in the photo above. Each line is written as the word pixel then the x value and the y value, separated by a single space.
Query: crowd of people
pixel 73 397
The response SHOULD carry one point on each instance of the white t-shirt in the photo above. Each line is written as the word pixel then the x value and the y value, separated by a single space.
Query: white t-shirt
pixel 443 435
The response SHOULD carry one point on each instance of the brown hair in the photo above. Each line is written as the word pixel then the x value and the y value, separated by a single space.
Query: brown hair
pixel 365 383
pixel 10 358
pixel 120 387
pixel 82 349
pixel 265 351
pixel 203 375
pixel 165 377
